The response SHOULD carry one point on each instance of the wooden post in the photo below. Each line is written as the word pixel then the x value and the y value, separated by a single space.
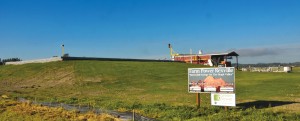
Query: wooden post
pixel 198 99
pixel 133 115
pixel 225 108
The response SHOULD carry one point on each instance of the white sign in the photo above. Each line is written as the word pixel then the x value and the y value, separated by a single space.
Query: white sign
pixel 223 99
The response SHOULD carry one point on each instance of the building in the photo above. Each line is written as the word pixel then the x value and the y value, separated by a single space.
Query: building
pixel 215 59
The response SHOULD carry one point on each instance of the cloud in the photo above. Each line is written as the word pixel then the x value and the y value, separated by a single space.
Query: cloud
pixel 270 54
pixel 276 51
pixel 254 52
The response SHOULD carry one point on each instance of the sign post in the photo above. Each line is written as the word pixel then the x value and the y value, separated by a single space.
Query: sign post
pixel 198 99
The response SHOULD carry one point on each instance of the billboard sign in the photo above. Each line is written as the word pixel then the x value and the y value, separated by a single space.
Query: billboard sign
pixel 223 99
pixel 206 80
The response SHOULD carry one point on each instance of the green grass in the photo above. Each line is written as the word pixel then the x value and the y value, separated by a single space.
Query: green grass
pixel 143 82
pixel 268 86
pixel 155 89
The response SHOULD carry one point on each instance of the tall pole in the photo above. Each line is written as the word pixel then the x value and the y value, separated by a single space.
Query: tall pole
pixel 62 50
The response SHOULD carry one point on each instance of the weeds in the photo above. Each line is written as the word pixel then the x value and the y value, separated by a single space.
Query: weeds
pixel 12 110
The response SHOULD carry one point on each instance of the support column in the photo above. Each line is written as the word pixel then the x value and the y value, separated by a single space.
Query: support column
pixel 225 61
pixel 237 62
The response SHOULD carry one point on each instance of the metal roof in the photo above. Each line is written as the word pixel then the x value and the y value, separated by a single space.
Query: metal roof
pixel 231 53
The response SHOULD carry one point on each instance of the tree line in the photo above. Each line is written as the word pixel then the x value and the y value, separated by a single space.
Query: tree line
pixel 2 62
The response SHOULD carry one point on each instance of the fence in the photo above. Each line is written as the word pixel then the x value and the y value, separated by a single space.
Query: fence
pixel 265 69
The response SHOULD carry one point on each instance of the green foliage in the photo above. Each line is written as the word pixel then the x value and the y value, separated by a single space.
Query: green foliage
pixel 10 60
pixel 250 114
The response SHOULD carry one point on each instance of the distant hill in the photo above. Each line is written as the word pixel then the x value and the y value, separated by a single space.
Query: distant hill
pixel 296 64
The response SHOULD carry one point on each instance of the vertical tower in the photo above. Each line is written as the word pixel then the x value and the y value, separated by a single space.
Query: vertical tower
pixel 172 52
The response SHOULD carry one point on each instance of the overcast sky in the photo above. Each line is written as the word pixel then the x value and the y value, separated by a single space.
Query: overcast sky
pixel 260 31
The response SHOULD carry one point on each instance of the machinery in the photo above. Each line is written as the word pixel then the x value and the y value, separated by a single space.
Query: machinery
pixel 172 52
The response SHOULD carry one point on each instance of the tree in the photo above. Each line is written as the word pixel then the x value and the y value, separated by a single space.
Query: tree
pixel 10 60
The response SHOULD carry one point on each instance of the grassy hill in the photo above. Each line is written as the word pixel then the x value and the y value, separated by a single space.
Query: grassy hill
pixel 155 89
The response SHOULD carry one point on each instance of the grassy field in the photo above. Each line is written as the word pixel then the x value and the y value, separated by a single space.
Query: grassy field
pixel 154 89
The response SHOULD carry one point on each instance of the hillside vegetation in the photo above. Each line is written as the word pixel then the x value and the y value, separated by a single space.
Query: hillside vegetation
pixel 20 111
pixel 154 89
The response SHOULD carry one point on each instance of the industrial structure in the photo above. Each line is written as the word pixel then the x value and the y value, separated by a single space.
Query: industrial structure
pixel 216 59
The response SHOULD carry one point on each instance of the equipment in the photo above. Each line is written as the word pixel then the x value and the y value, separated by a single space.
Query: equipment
pixel 172 52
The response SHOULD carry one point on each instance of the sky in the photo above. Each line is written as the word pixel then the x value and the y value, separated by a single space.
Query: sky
pixel 260 31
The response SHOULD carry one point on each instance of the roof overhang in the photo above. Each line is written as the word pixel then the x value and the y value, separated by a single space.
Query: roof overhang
pixel 233 53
